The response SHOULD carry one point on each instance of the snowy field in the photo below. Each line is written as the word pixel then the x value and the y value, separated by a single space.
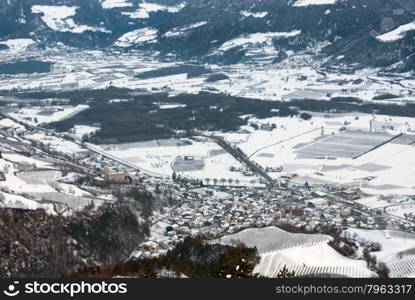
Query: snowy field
pixel 378 162
pixel 398 249
pixel 35 181
pixel 281 82
pixel 306 254
pixel 318 150
pixel 161 156
pixel 402 210
pixel 60 18
pixel 38 115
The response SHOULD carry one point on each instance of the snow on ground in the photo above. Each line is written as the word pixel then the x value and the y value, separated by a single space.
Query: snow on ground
pixel 144 10
pixel 59 18
pixel 389 167
pixel 313 2
pixel 402 210
pixel 56 143
pixel 19 202
pixel 169 105
pixel 277 82
pixel 18 158
pixel 255 15
pixel 306 254
pixel 17 45
pixel 70 189
pixel 79 131
pixel 208 160
pixel 298 147
pixel 108 4
pixel 179 31
pixel 139 36
pixel 31 183
pixel 396 34
pixel 398 248
pixel 16 184
pixel 39 115
pixel 257 39
pixel 7 123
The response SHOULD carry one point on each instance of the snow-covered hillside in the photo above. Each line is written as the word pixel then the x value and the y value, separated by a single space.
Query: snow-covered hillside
pixel 35 179
pixel 305 254
pixel 59 18
pixel 219 32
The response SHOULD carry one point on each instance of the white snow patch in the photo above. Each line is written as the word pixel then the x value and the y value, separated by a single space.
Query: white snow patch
pixel 17 45
pixel 255 15
pixel 182 30
pixel 19 202
pixel 54 114
pixel 306 254
pixel 59 18
pixel 397 34
pixel 146 8
pixel 257 39
pixel 108 4
pixel 7 123
pixel 139 36
pixel 313 2
pixel 80 130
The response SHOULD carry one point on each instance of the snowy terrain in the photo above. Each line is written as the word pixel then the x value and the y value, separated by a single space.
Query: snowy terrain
pixel 144 10
pixel 397 249
pixel 34 179
pixel 257 39
pixel 303 253
pixel 18 45
pixel 255 15
pixel 389 167
pixel 160 156
pixel 139 36
pixel 178 31
pixel 397 34
pixel 39 115
pixel 108 4
pixel 281 82
pixel 313 2
pixel 59 18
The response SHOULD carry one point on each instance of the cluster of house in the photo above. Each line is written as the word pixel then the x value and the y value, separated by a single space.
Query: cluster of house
pixel 216 213
pixel 219 211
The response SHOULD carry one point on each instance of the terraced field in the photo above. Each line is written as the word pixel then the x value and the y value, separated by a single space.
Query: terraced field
pixel 305 254
pixel 271 239
pixel 403 268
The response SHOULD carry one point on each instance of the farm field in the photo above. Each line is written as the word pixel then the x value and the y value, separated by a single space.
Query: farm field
pixel 306 254
pixel 201 160
pixel 402 210
pixel 32 183
pixel 39 115
pixel 397 248
pixel 144 71
pixel 403 268
pixel 316 149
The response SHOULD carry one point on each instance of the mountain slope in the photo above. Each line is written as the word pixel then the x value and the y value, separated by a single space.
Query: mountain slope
pixel 376 33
